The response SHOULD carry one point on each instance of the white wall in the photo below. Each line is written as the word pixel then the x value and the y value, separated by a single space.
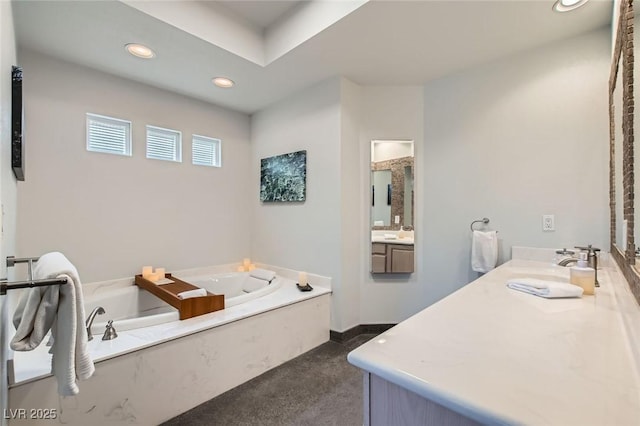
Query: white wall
pixel 388 150
pixel 113 214
pixel 513 140
pixel 388 113
pixel 302 236
pixel 351 197
pixel 8 184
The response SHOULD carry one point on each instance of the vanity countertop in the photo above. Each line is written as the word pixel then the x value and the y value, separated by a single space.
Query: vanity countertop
pixel 500 356
pixel 383 240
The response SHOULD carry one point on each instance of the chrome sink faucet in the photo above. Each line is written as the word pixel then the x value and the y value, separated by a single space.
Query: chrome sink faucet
pixel 99 310
pixel 592 258
pixel 567 261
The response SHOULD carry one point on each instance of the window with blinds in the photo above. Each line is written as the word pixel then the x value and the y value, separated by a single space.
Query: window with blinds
pixel 206 151
pixel 164 144
pixel 108 135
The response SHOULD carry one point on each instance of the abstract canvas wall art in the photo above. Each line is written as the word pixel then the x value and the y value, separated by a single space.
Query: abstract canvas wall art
pixel 284 177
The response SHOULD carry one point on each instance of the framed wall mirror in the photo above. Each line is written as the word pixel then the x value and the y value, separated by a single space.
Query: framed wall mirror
pixel 392 206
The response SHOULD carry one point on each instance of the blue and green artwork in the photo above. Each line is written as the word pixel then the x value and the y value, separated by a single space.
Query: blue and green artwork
pixel 284 177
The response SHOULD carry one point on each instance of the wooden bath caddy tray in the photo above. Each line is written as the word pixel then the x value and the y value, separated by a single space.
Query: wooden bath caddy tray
pixel 188 308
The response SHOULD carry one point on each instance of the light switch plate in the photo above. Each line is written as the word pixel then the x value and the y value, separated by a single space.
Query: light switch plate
pixel 548 222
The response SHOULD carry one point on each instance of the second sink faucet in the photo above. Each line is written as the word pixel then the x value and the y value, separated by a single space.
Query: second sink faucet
pixel 99 310
pixel 592 258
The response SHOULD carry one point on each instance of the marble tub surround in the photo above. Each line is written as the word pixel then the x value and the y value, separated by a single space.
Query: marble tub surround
pixel 33 365
pixel 499 356
pixel 149 375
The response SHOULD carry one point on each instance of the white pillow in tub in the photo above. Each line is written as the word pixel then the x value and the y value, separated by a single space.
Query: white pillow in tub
pixel 253 284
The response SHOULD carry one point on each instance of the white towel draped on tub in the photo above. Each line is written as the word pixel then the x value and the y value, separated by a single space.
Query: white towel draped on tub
pixel 484 251
pixel 61 309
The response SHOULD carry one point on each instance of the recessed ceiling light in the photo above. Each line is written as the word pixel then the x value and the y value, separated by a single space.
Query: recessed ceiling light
pixel 567 5
pixel 223 82
pixel 139 50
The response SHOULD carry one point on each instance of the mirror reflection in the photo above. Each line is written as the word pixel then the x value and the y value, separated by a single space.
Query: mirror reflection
pixel 392 206
pixel 618 139
pixel 636 120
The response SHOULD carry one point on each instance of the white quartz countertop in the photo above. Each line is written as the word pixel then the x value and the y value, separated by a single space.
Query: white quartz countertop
pixel 500 356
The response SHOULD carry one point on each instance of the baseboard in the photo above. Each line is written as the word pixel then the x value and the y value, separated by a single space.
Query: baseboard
pixel 341 337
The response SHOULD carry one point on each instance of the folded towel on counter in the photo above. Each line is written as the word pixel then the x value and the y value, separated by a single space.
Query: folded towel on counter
pixel 544 288
pixel 61 309
pixel 390 236
pixel 198 292
pixel 253 284
pixel 484 251
pixel 263 274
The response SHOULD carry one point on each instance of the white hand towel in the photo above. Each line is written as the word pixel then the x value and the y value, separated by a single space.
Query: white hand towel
pixel 263 274
pixel 253 284
pixel 198 292
pixel 484 251
pixel 544 288
pixel 61 308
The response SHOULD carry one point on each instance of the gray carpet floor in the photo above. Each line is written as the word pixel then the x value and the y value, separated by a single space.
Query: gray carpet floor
pixel 319 387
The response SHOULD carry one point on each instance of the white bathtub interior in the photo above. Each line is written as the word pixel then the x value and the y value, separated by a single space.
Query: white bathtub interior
pixel 132 307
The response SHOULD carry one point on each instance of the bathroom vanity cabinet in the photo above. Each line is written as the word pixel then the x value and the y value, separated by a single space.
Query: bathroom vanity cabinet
pixel 387 258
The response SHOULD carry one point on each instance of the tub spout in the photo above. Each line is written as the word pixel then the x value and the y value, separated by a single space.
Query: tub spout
pixel 89 322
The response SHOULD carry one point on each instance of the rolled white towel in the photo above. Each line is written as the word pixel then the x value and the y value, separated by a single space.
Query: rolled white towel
pixel 263 274
pixel 544 288
pixel 253 284
pixel 390 236
pixel 192 293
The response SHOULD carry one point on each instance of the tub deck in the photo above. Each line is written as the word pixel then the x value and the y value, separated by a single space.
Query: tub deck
pixel 36 364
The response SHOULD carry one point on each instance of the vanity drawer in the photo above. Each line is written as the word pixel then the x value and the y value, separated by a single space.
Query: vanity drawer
pixel 378 248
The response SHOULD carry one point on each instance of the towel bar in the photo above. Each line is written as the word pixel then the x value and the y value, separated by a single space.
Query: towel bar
pixel 14 285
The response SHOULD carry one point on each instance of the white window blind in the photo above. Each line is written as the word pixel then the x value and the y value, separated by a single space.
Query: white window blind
pixel 164 144
pixel 108 135
pixel 206 151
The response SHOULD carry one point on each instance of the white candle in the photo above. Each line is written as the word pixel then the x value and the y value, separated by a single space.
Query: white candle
pixel 146 271
pixel 252 267
pixel 152 277
pixel 302 279
pixel 246 262
pixel 160 273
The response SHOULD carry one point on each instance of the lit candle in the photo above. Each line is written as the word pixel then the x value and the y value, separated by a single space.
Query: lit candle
pixel 152 277
pixel 252 267
pixel 246 262
pixel 160 273
pixel 302 279
pixel 146 271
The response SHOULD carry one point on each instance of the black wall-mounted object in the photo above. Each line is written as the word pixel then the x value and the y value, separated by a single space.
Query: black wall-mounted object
pixel 17 123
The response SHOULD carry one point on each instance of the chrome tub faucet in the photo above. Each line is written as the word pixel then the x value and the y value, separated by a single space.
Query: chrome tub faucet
pixel 99 310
